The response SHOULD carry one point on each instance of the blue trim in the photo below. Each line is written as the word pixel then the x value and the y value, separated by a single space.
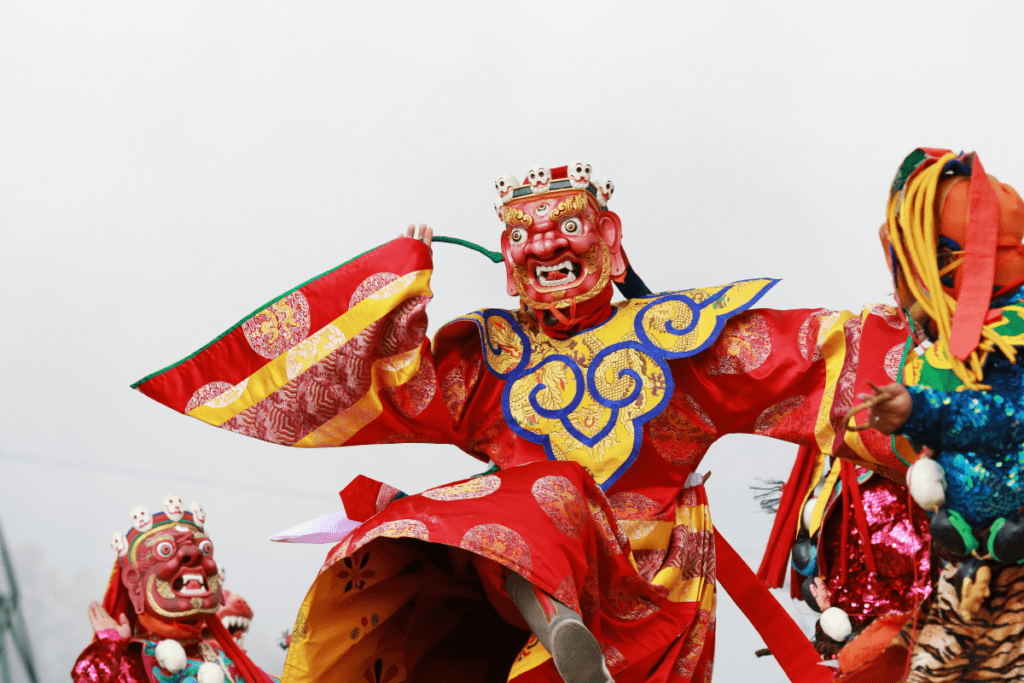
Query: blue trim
pixel 573 404
pixel 645 345
pixel 496 350
pixel 957 167
pixel 812 566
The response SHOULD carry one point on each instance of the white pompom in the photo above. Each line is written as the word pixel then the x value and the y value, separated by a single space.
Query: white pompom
pixel 170 655
pixel 835 624
pixel 210 673
pixel 809 512
pixel 927 483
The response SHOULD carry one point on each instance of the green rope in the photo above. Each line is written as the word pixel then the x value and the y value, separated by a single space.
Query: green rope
pixel 493 255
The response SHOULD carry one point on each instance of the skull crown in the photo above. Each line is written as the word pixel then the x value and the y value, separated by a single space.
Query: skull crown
pixel 541 179
pixel 142 520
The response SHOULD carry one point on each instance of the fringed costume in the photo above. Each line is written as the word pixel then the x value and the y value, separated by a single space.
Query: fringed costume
pixel 953 239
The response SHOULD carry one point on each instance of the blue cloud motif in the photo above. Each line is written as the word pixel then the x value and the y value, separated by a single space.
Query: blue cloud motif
pixel 586 381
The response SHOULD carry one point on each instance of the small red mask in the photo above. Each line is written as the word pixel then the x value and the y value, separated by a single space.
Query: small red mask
pixel 171 574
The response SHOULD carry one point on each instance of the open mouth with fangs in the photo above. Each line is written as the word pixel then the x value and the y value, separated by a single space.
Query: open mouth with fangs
pixel 560 275
pixel 191 584
pixel 235 624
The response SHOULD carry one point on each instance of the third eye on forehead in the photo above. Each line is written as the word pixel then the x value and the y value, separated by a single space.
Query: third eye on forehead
pixel 547 208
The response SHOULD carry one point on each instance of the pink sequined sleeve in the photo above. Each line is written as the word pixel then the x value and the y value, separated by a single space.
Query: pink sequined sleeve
pixel 109 661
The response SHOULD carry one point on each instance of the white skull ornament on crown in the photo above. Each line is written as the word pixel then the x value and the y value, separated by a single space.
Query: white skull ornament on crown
pixel 539 179
pixel 579 174
pixel 141 519
pixel 505 185
pixel 173 507
pixel 499 208
pixel 119 542
pixel 605 188
pixel 198 514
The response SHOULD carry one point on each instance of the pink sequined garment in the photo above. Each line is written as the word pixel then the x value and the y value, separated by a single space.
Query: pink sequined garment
pixel 899 541
pixel 109 661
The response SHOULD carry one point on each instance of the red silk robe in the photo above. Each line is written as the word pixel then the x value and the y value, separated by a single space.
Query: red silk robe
pixel 596 438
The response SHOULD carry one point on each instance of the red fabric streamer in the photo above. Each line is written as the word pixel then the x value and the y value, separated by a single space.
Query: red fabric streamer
pixel 780 542
pixel 979 265
pixel 844 572
pixel 588 314
pixel 886 667
pixel 787 642
pixel 116 601
pixel 178 630
pixel 849 475
pixel 358 505
pixel 250 672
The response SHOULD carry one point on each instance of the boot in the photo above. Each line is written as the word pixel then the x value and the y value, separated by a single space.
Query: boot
pixel 951 532
pixel 577 654
pixel 1006 540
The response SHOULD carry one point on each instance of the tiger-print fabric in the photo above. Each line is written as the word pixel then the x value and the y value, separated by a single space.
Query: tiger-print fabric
pixel 989 648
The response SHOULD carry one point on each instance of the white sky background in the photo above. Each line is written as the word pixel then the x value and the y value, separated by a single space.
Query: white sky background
pixel 167 167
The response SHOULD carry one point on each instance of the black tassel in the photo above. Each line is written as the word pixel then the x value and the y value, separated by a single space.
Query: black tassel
pixel 769 494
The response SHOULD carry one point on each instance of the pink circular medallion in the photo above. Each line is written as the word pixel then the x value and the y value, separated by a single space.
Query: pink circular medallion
pixel 467 490
pixel 501 544
pixel 279 326
pixel 561 501
pixel 743 345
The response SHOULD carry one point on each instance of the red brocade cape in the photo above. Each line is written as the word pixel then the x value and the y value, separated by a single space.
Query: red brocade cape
pixel 595 438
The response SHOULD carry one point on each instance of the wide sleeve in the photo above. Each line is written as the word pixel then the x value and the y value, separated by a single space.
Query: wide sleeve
pixel 976 421
pixel 793 375
pixel 340 360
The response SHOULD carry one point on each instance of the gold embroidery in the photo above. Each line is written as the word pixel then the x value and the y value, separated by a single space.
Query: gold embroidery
pixel 570 207
pixel 197 604
pixel 513 216
pixel 280 321
pixel 630 375
pixel 164 589
pixel 299 631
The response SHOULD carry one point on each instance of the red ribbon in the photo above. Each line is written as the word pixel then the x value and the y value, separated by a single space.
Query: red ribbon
pixel 250 672
pixel 776 556
pixel 979 267
pixel 780 633
pixel 850 482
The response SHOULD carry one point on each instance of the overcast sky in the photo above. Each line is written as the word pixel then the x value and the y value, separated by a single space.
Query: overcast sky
pixel 167 167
